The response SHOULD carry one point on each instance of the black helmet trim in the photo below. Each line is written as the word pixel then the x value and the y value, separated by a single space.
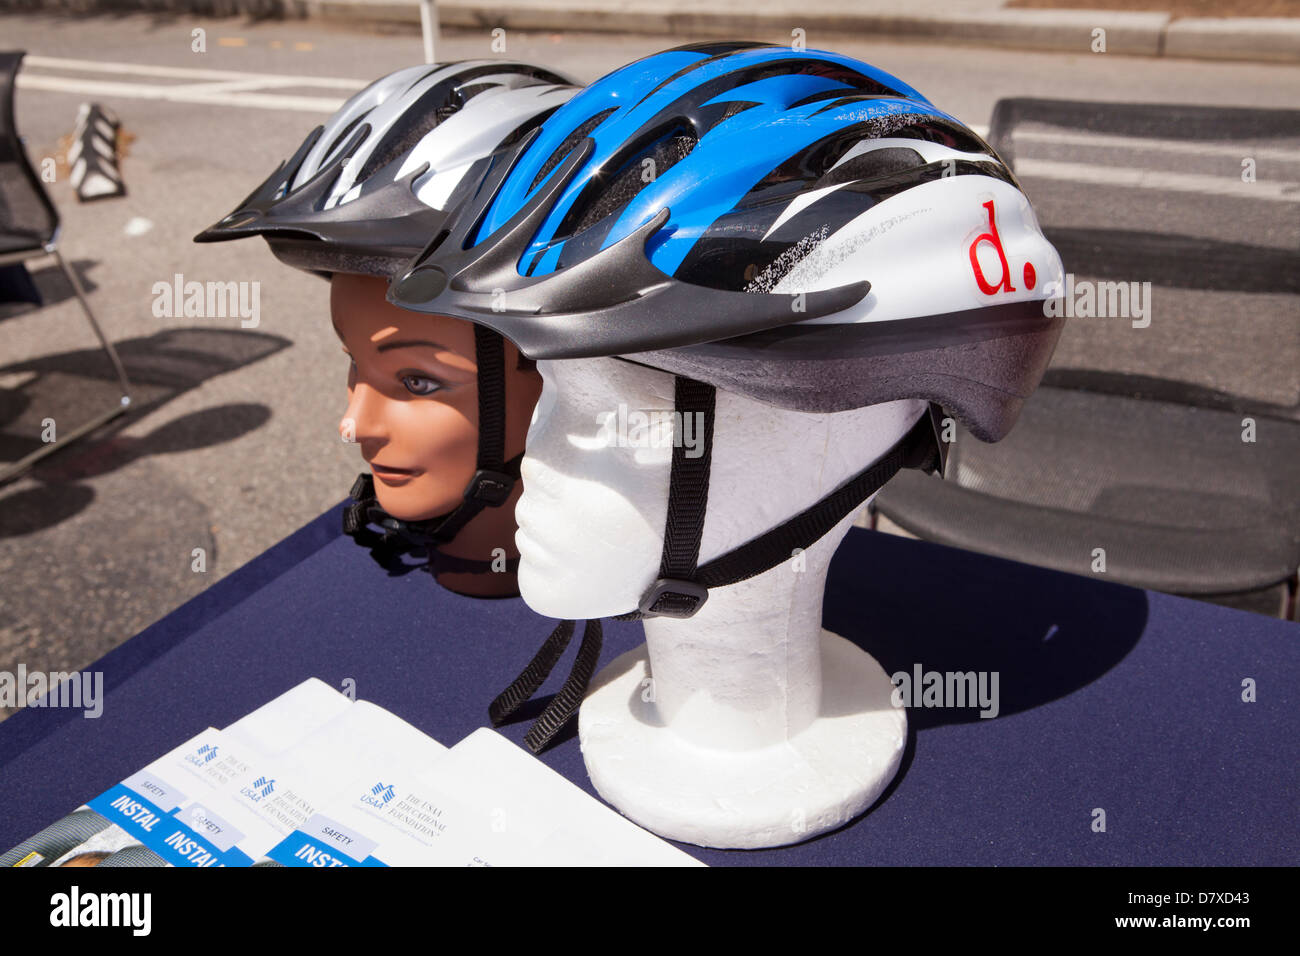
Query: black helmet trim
pixel 981 365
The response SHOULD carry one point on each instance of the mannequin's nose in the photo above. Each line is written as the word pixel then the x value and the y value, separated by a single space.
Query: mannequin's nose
pixel 363 421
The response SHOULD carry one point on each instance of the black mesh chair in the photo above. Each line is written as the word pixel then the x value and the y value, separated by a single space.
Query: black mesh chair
pixel 1164 455
pixel 29 229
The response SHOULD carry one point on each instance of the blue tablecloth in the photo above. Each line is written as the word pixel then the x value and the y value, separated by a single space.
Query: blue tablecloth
pixel 1111 698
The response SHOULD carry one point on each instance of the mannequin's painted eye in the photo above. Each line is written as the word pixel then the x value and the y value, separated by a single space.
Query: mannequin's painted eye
pixel 420 384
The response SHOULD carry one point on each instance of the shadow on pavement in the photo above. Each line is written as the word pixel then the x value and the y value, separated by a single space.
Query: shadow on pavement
pixel 23 287
pixel 66 386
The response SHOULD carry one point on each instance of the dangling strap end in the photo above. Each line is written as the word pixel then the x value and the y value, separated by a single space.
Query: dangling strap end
pixel 566 703
pixel 533 676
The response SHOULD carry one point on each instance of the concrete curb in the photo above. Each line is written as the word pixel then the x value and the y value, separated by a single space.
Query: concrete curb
pixel 1274 39
pixel 1064 30
pixel 962 22
pixel 1139 34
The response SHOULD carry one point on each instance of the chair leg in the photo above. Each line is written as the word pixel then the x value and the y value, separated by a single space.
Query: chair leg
pixel 26 462
pixel 90 316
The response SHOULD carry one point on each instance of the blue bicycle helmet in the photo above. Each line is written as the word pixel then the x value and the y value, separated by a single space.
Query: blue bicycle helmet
pixel 795 226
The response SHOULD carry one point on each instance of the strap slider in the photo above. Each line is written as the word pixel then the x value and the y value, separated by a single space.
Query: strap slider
pixel 490 487
pixel 671 597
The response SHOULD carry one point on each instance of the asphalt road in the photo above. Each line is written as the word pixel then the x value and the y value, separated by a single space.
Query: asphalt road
pixel 232 443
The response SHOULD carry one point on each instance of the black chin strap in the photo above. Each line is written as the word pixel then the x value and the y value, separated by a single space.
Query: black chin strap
pixel 682 587
pixel 490 487
pixel 419 539
pixel 676 593
pixel 495 478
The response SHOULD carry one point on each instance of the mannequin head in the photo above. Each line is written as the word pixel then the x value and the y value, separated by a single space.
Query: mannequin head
pixel 591 520
pixel 413 410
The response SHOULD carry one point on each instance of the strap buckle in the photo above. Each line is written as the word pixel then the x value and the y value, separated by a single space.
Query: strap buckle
pixel 681 599
pixel 490 487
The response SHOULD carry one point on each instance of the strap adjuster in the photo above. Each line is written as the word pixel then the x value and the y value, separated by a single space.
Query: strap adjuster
pixel 490 487
pixel 671 597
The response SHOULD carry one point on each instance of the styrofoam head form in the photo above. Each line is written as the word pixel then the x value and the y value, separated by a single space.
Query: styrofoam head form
pixel 597 466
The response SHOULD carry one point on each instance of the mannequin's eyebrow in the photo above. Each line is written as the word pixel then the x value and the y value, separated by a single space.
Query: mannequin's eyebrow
pixel 407 343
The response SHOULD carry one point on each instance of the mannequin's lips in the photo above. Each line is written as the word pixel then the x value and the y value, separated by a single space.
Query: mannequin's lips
pixel 394 476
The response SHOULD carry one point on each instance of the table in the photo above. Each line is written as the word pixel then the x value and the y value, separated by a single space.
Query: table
pixel 1110 697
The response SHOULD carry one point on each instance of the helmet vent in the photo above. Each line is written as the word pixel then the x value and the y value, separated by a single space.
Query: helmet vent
pixel 652 162
pixel 340 140
pixel 871 165
pixel 570 141
pixel 526 127
pixel 402 139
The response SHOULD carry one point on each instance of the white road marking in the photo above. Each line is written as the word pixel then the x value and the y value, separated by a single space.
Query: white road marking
pixel 1183 147
pixel 209 87
pixel 180 94
pixel 1158 179
pixel 236 86
pixel 184 72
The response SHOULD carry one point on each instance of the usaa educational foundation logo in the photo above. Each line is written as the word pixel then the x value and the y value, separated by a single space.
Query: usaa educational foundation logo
pixel 258 790
pixel 379 795
pixel 204 755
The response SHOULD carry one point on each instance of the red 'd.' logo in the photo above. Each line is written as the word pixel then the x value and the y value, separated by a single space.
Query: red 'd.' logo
pixel 993 239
